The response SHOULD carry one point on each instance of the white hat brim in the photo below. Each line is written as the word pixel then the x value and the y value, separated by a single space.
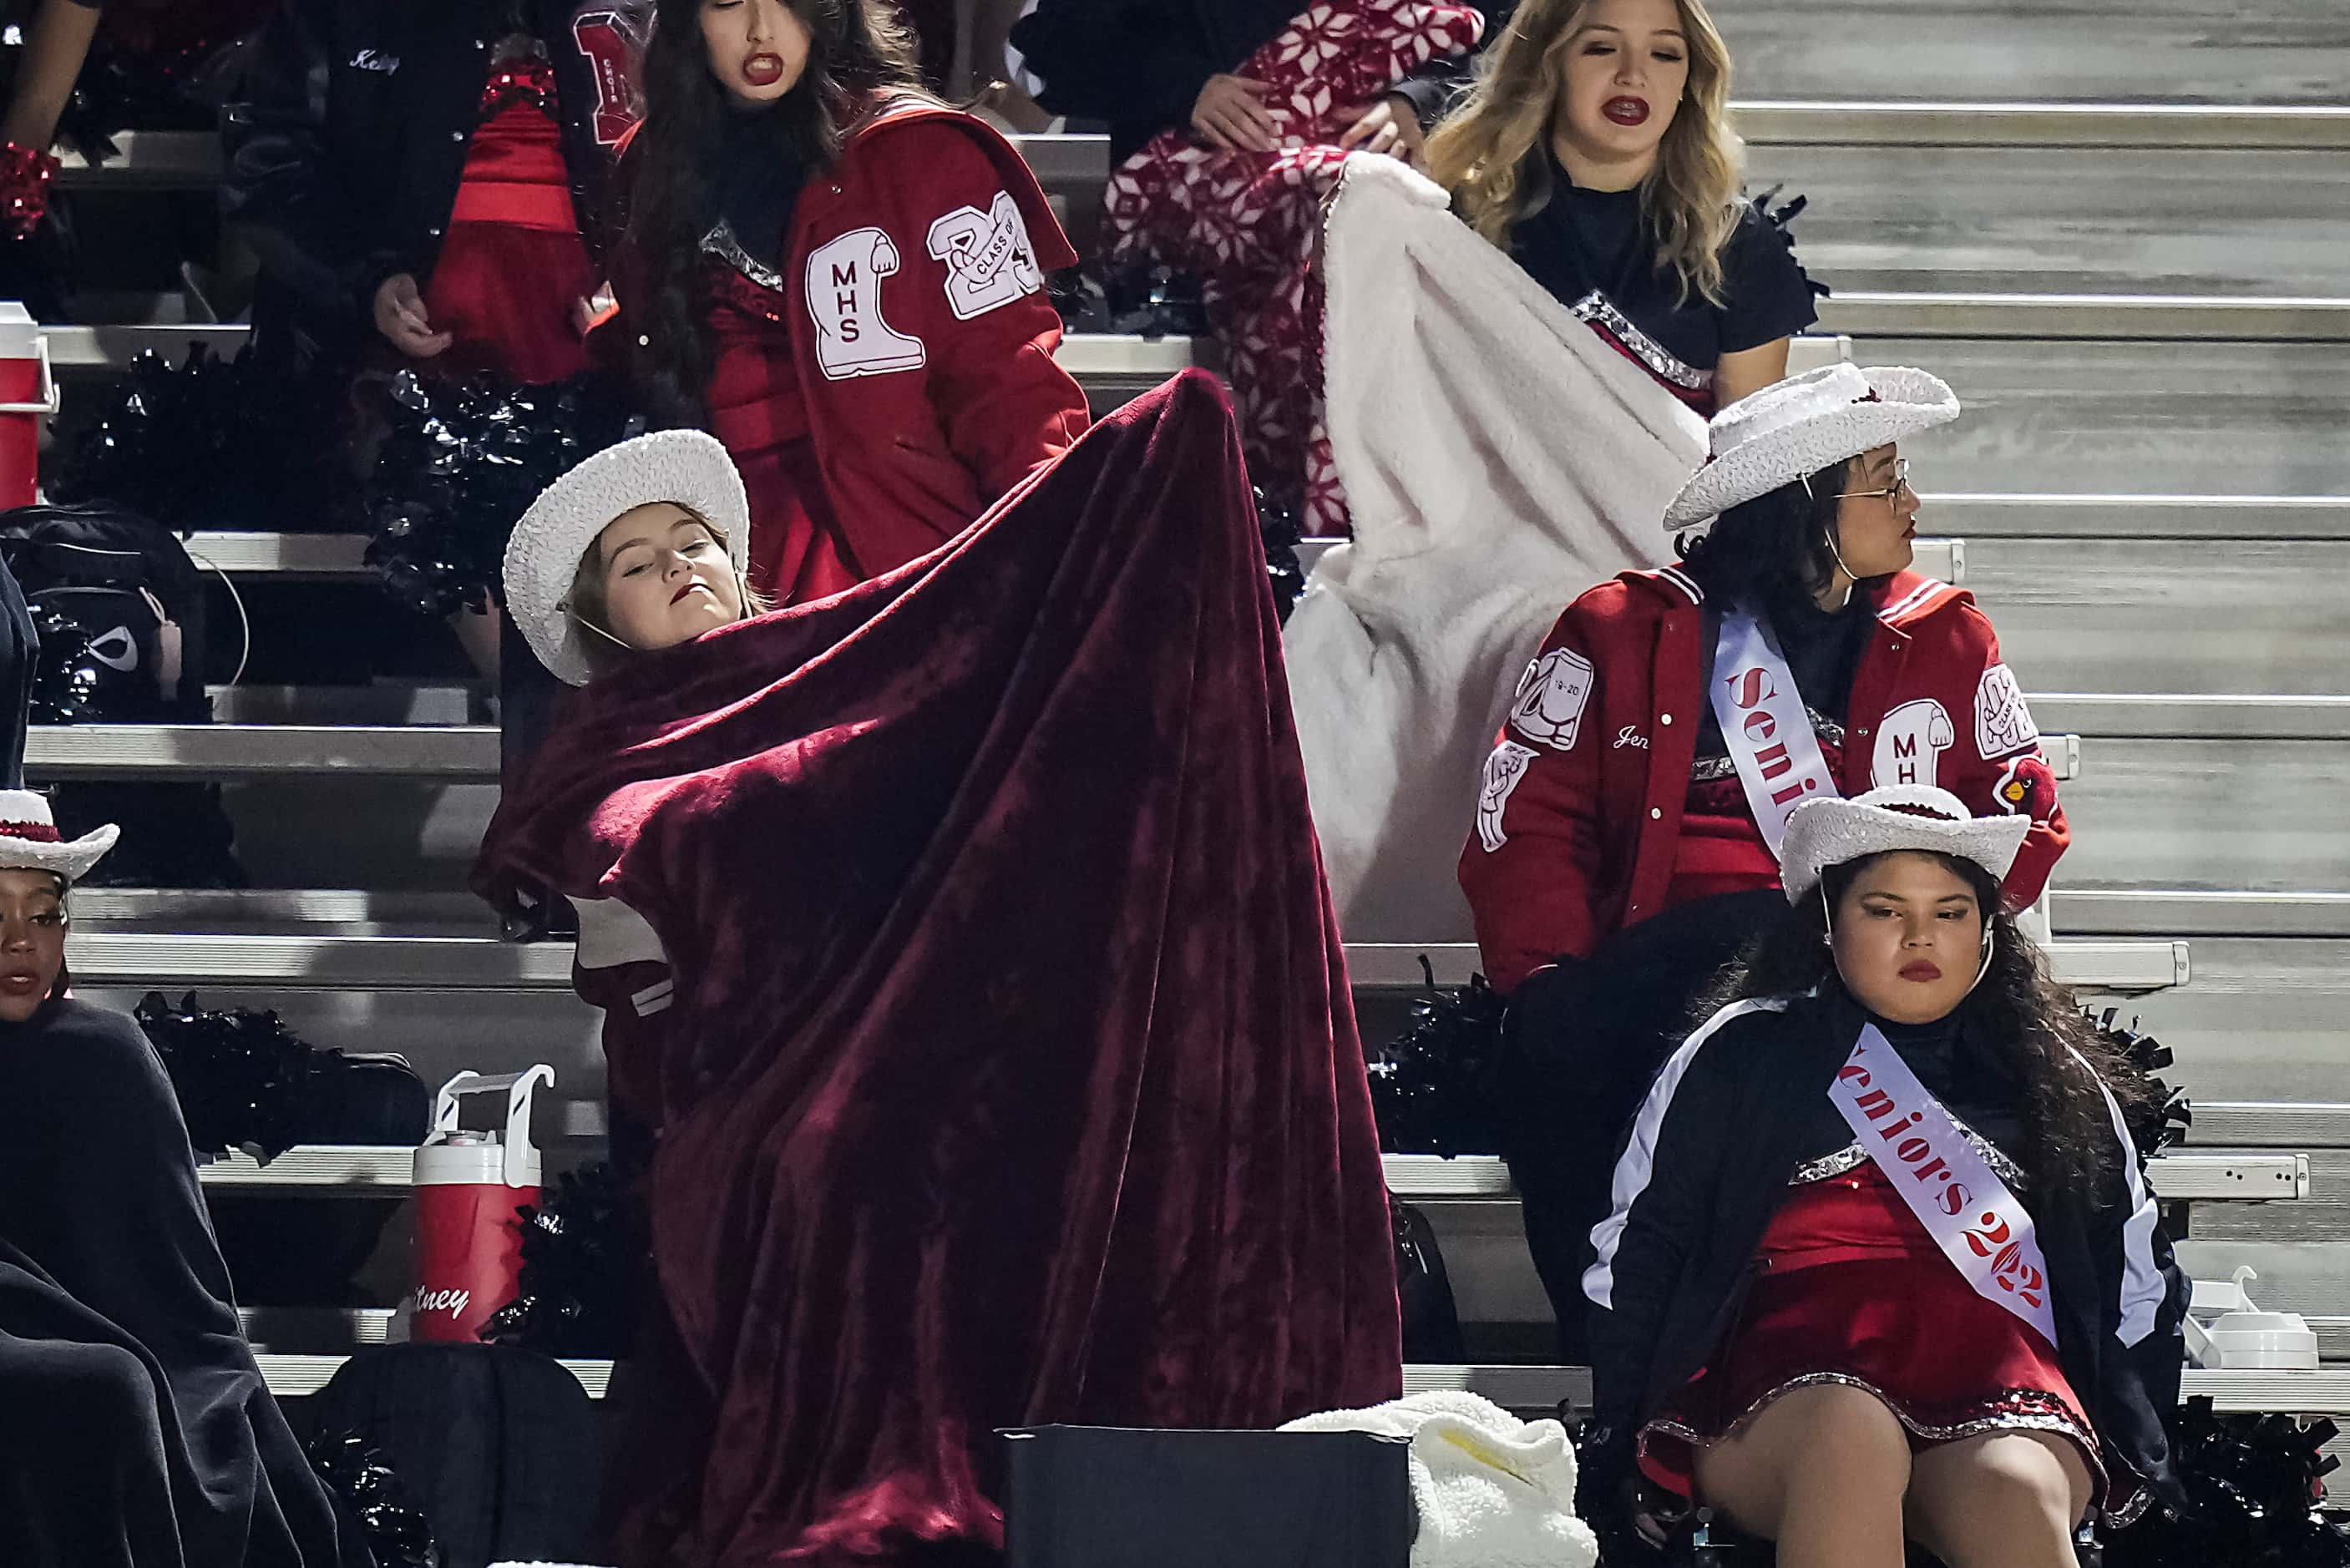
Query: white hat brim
pixel 1825 832
pixel 684 468
pixel 1907 401
pixel 70 858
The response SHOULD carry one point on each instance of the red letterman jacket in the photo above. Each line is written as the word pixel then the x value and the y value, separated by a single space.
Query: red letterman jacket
pixel 1580 812
pixel 920 336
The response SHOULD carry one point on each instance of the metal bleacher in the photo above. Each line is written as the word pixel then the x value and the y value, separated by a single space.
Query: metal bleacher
pixel 2131 256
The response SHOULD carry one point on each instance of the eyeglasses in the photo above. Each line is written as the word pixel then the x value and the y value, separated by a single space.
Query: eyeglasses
pixel 1900 482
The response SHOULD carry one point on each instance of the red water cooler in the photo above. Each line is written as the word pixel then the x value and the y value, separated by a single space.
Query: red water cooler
pixel 468 1186
pixel 28 394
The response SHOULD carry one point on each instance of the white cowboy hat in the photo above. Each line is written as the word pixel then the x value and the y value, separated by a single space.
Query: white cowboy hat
pixel 29 841
pixel 685 468
pixel 1797 427
pixel 1825 832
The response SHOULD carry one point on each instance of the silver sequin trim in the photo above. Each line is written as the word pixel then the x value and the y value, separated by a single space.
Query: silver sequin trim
pixel 1851 1156
pixel 1706 769
pixel 720 242
pixel 2011 1421
pixel 1596 308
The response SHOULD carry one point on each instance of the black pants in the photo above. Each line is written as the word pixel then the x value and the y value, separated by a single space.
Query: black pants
pixel 1585 1042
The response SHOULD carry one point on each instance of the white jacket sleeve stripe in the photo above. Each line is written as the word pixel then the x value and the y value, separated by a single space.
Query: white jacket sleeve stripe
pixel 1632 1172
pixel 2142 1287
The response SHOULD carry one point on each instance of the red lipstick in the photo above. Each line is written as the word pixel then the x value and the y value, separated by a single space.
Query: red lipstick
pixel 1625 110
pixel 679 596
pixel 763 69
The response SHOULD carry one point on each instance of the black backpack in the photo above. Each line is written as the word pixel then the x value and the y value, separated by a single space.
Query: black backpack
pixel 119 610
pixel 498 1448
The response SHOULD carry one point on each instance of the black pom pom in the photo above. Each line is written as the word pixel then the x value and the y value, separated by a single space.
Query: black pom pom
pixel 395 1533
pixel 2255 1483
pixel 2157 1115
pixel 1432 1089
pixel 583 1258
pixel 268 443
pixel 463 460
pixel 239 1074
pixel 1780 221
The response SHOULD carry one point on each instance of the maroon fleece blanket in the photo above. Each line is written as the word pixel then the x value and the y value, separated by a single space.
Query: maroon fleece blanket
pixel 1013 1077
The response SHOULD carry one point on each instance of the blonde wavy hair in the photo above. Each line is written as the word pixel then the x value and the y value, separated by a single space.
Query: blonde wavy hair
pixel 1489 150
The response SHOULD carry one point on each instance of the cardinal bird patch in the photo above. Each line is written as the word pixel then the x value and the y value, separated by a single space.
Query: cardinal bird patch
pixel 988 258
pixel 1503 769
pixel 2026 787
pixel 844 300
pixel 1548 708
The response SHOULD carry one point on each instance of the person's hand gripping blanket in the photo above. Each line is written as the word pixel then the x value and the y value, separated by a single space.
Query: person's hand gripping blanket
pixel 1013 1076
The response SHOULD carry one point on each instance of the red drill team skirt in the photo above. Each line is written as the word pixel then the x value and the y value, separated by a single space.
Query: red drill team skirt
pixel 1848 1288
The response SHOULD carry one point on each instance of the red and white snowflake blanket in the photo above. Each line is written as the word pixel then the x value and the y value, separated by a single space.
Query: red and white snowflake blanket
pixel 1245 222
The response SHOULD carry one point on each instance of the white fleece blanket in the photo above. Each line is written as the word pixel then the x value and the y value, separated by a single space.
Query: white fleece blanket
pixel 1492 1491
pixel 1499 459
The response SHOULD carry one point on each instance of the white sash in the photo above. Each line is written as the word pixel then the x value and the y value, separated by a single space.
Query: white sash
pixel 1980 1225
pixel 1763 724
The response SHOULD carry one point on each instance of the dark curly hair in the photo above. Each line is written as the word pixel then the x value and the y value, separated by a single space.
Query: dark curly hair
pixel 2066 1129
pixel 857 50
pixel 1772 551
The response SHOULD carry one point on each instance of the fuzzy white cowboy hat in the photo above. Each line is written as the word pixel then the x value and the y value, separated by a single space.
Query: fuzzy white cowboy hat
pixel 685 468
pixel 1799 426
pixel 1825 832
pixel 29 841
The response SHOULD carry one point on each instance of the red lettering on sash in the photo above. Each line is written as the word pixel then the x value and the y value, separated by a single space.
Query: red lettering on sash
pixel 1774 761
pixel 1931 1169
pixel 1887 1132
pixel 1875 1104
pixel 1749 687
pixel 1914 1149
pixel 1955 1198
pixel 1758 726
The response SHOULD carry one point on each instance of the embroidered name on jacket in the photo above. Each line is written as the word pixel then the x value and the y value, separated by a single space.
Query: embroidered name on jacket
pixel 988 258
pixel 843 299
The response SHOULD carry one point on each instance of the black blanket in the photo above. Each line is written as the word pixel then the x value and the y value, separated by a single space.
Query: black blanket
pixel 135 1427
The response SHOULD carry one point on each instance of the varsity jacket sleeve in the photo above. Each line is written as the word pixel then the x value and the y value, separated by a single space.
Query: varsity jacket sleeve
pixel 2001 769
pixel 1002 400
pixel 621 969
pixel 2145 1296
pixel 1534 854
pixel 277 188
pixel 1662 1194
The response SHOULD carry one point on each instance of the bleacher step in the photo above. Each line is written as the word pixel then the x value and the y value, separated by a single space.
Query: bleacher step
pixel 1530 1388
pixel 456 963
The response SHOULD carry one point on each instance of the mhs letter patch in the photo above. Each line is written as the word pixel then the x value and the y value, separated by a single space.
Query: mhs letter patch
pixel 1548 708
pixel 989 260
pixel 843 299
pixel 1910 743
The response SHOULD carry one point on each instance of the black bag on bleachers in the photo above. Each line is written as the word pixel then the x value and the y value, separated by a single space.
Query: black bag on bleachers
pixel 119 610
pixel 497 1448
pixel 1104 1497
